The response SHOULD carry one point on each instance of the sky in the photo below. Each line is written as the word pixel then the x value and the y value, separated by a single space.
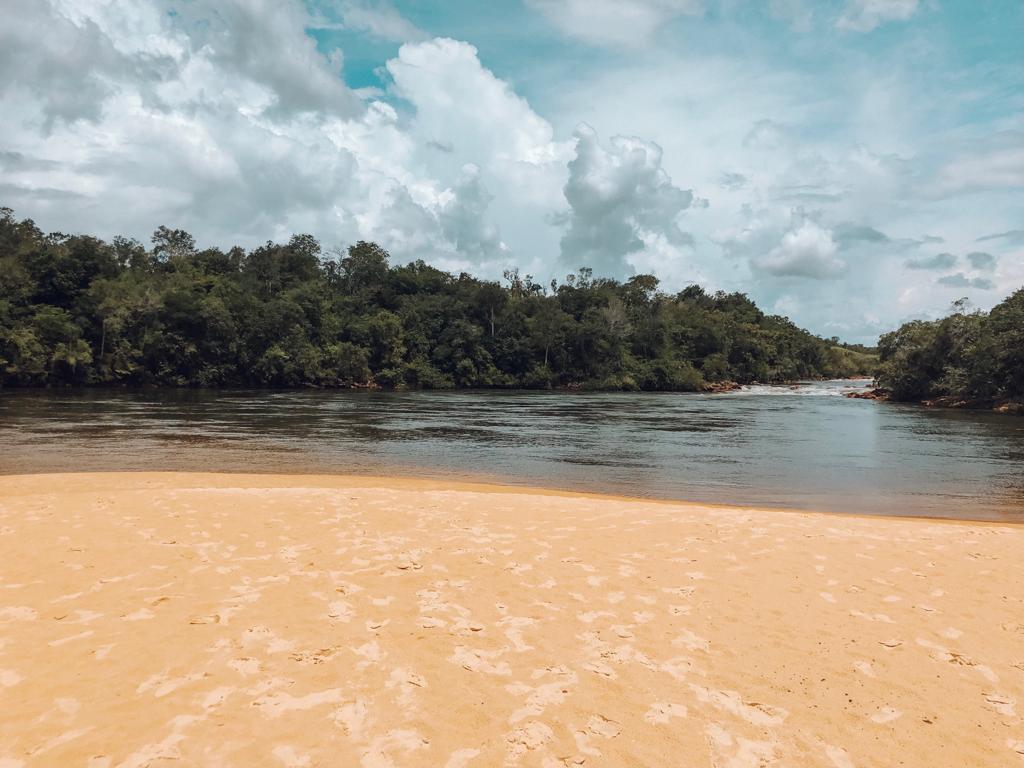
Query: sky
pixel 851 164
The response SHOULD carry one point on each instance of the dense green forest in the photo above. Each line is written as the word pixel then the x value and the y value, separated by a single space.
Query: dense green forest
pixel 964 359
pixel 78 310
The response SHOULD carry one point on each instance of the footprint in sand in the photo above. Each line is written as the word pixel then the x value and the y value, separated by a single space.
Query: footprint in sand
pixel 460 758
pixel 217 696
pixel 353 717
pixel 276 704
pixel 527 738
pixel 18 613
pixel 691 641
pixel 71 638
pixel 840 757
pixel 591 616
pixel 289 757
pixel 661 713
pixel 755 713
pixel 1002 704
pixel 539 698
pixel 739 752
pixel 476 660
pixel 245 666
pixel 161 685
pixel 378 755
pixel 886 715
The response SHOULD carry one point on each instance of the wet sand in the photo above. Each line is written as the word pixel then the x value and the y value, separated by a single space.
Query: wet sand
pixel 242 620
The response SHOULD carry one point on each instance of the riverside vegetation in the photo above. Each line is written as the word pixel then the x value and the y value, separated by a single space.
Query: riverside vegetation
pixel 966 359
pixel 75 309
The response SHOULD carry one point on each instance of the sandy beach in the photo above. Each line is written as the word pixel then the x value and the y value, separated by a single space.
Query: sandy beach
pixel 244 620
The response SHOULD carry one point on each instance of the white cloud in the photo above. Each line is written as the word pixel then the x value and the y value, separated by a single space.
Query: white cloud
pixel 463 218
pixel 807 250
pixel 478 118
pixel 866 15
pixel 226 120
pixel 619 199
pixel 264 42
pixel 615 23
pixel 68 58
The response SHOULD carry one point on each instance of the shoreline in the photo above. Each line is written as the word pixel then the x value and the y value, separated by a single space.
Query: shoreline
pixel 227 619
pixel 420 482
pixel 576 388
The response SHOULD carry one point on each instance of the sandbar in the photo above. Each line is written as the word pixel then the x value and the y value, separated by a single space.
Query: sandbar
pixel 151 619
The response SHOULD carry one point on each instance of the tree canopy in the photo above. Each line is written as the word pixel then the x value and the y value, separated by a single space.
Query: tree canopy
pixel 967 356
pixel 75 309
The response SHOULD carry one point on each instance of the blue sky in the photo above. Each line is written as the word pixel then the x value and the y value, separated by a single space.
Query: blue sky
pixel 848 163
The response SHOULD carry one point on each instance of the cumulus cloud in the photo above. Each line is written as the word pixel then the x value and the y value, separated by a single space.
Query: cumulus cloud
pixel 943 260
pixel 807 250
pixel 478 116
pixel 981 260
pixel 225 118
pixel 264 43
pixel 866 15
pixel 797 243
pixel 960 280
pixel 452 230
pixel 463 221
pixel 66 63
pixel 615 23
pixel 619 197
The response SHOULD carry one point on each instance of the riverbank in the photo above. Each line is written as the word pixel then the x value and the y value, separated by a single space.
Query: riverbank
pixel 882 394
pixel 302 621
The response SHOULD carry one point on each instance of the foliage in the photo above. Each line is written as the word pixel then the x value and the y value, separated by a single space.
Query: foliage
pixel 966 356
pixel 77 310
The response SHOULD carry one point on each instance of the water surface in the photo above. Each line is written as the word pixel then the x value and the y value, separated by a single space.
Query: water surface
pixel 803 447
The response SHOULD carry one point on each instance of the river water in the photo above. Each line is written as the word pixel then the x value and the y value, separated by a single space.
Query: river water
pixel 801 447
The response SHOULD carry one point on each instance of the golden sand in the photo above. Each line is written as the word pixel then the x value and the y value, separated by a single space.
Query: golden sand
pixel 228 620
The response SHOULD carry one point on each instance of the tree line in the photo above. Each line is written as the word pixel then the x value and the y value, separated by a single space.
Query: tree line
pixel 967 358
pixel 75 309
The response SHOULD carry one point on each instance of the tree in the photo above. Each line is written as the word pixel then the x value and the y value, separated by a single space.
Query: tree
pixel 172 244
pixel 75 309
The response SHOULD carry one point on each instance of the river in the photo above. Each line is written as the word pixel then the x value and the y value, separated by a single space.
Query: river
pixel 803 447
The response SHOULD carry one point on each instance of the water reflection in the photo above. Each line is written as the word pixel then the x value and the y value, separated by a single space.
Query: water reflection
pixel 805 447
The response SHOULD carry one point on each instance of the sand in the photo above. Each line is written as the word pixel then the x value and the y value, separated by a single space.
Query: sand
pixel 243 620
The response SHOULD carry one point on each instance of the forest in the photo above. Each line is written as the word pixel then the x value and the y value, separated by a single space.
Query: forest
pixel 967 358
pixel 76 310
